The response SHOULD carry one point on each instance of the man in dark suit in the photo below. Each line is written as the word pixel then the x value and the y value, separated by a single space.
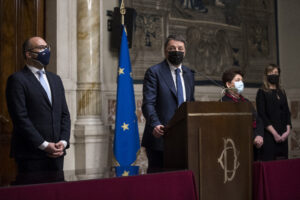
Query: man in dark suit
pixel 41 120
pixel 166 86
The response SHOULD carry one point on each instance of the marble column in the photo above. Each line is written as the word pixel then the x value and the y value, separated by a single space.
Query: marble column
pixel 91 136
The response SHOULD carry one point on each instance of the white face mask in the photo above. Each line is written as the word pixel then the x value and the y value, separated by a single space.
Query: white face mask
pixel 239 85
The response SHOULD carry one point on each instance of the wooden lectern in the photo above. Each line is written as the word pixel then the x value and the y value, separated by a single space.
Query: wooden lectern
pixel 214 139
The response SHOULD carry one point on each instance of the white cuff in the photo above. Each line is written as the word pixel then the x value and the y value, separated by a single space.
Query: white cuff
pixel 64 143
pixel 43 145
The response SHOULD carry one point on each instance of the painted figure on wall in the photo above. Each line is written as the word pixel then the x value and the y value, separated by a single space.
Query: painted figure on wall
pixel 209 51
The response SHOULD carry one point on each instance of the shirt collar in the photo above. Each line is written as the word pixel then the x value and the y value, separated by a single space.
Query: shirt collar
pixel 172 67
pixel 34 69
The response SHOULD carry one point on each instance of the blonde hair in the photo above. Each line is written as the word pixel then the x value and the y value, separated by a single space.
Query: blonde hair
pixel 266 84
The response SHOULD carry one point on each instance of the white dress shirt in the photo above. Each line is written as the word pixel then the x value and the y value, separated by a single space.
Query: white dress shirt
pixel 173 68
pixel 34 70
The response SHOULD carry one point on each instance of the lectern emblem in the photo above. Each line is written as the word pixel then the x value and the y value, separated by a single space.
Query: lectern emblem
pixel 229 160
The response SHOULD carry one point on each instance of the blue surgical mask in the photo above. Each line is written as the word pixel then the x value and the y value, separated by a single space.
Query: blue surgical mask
pixel 239 85
pixel 43 57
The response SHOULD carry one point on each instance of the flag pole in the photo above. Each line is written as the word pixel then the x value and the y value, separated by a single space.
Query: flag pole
pixel 122 12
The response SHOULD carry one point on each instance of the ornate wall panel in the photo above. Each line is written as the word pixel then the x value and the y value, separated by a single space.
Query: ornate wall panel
pixel 232 33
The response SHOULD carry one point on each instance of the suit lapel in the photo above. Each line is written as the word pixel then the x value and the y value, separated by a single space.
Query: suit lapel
pixel 31 77
pixel 167 76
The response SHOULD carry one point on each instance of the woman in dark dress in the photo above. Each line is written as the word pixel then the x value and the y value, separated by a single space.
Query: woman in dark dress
pixel 272 107
pixel 234 86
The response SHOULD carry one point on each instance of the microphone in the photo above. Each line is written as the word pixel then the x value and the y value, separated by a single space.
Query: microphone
pixel 224 89
pixel 211 80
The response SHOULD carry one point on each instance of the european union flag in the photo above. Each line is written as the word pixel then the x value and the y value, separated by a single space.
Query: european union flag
pixel 126 143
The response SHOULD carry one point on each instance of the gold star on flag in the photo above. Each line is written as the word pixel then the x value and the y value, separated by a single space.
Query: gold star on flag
pixel 125 173
pixel 121 70
pixel 125 126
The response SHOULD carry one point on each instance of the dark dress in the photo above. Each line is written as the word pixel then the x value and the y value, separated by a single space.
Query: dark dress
pixel 258 128
pixel 272 107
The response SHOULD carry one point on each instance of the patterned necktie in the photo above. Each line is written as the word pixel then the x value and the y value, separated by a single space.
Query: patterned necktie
pixel 179 87
pixel 44 84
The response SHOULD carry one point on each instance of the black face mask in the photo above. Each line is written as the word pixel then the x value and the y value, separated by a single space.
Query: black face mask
pixel 273 79
pixel 175 57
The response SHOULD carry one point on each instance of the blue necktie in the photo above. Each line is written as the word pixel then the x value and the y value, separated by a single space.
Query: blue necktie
pixel 179 87
pixel 44 84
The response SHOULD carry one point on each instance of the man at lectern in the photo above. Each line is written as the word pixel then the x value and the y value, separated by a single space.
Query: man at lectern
pixel 234 86
pixel 166 86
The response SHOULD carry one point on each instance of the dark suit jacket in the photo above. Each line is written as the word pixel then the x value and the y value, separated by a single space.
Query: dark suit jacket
pixel 34 118
pixel 160 101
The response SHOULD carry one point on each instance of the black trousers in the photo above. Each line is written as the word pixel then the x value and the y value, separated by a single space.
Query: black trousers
pixel 33 171
pixel 155 160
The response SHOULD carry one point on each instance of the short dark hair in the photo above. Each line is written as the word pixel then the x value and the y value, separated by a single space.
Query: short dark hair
pixel 26 46
pixel 229 75
pixel 176 38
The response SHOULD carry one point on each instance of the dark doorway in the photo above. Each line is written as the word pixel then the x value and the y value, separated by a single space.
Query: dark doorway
pixel 19 20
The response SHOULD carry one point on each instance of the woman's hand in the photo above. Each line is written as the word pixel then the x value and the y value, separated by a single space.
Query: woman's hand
pixel 276 136
pixel 258 141
pixel 285 135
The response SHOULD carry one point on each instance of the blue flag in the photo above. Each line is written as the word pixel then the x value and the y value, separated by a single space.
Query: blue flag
pixel 126 143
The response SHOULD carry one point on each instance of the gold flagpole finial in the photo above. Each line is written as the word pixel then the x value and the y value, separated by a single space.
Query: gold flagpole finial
pixel 122 11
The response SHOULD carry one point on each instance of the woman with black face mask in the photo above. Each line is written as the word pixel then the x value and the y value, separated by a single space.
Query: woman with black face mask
pixel 272 106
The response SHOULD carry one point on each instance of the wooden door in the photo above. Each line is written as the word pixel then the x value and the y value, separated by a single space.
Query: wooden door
pixel 19 20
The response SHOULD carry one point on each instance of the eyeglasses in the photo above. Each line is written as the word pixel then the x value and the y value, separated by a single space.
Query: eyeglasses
pixel 40 48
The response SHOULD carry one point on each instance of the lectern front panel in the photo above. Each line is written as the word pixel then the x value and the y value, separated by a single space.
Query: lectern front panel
pixel 214 140
pixel 225 156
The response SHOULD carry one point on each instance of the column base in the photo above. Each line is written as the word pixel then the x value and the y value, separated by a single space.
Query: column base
pixel 92 147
